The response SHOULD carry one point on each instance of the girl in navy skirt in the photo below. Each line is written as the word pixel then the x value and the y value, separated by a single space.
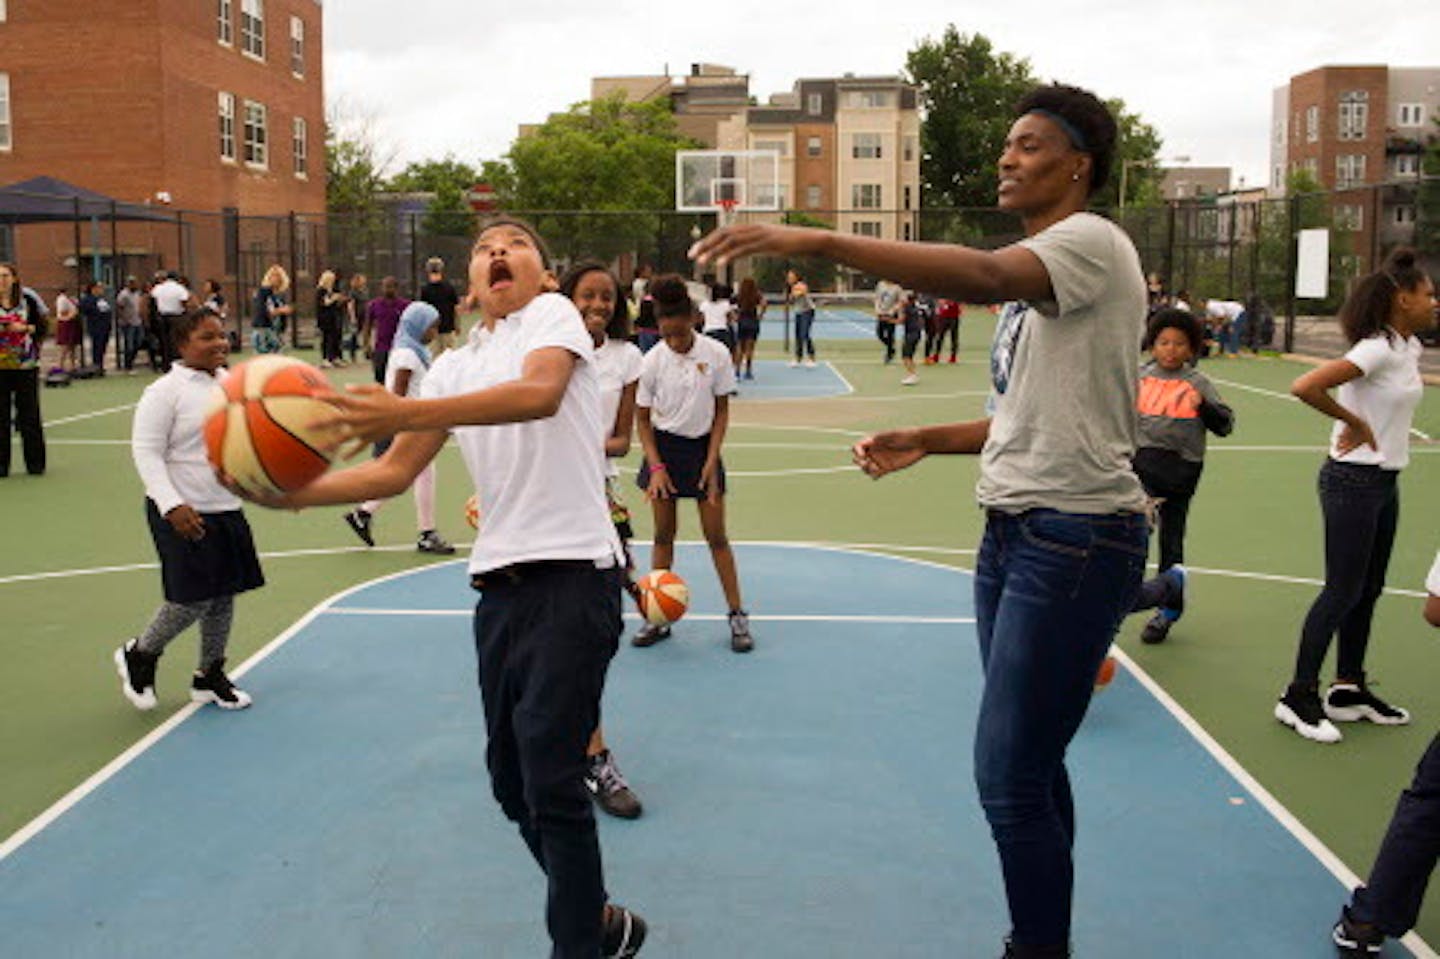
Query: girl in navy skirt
pixel 683 408
pixel 206 552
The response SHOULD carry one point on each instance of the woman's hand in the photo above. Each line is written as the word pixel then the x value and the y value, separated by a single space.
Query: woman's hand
pixel 746 239
pixel 1354 435
pixel 187 522
pixel 884 453
pixel 660 486
pixel 710 480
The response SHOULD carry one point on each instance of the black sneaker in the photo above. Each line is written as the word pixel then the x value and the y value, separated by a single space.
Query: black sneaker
pixel 1157 628
pixel 609 789
pixel 1014 951
pixel 1355 940
pixel 359 521
pixel 1300 709
pixel 649 635
pixel 213 686
pixel 137 674
pixel 1352 702
pixel 431 542
pixel 740 638
pixel 622 933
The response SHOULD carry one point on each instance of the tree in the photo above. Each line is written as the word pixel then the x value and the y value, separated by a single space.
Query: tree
pixel 431 176
pixel 1427 199
pixel 1136 148
pixel 583 173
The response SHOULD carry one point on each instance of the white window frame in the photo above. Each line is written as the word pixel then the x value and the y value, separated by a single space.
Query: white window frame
pixel 2 11
pixel 1354 114
pixel 1349 217
pixel 7 129
pixel 300 147
pixel 872 228
pixel 297 47
pixel 814 104
pixel 224 22
pixel 252 29
pixel 861 145
pixel 1410 115
pixel 256 150
pixel 1349 170
pixel 812 196
pixel 1312 124
pixel 865 196
pixel 1407 164
pixel 813 147
pixel 1403 213
pixel 869 99
pixel 225 108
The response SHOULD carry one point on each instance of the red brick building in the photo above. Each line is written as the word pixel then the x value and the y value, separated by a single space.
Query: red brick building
pixel 210 110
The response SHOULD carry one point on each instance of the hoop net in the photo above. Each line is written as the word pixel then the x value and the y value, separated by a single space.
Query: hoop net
pixel 726 207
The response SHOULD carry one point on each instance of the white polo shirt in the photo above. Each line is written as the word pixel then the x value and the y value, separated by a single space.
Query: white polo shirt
pixel 170 298
pixel 617 362
pixel 167 442
pixel 680 388
pixel 1385 397
pixel 540 484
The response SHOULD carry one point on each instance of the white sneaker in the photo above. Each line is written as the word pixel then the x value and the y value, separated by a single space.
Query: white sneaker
pixel 793 363
pixel 810 361
pixel 910 380
pixel 1302 712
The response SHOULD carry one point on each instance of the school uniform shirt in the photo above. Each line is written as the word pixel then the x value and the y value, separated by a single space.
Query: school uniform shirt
pixel 1385 397
pixel 541 483
pixel 170 297
pixel 1063 428
pixel 167 442
pixel 716 314
pixel 680 388
pixel 1177 408
pixel 617 364
pixel 405 358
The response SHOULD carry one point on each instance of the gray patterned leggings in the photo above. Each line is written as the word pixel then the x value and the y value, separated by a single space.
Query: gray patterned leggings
pixel 172 619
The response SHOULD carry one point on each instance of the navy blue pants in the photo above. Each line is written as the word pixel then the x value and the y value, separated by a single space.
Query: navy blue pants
pixel 1391 899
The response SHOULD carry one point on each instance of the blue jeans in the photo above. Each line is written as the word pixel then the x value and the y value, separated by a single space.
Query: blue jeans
pixel 1051 589
pixel 804 320
pixel 130 339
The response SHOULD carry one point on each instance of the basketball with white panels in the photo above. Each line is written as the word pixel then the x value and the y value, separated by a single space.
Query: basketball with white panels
pixel 262 429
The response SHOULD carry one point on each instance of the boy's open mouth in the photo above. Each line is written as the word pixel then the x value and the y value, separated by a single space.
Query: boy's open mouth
pixel 500 274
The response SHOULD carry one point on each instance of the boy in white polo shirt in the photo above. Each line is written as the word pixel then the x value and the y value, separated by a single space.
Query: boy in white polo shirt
pixel 522 400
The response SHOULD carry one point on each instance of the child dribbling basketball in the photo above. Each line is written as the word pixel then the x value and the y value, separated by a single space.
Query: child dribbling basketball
pixel 522 400
pixel 206 552
pixel 683 410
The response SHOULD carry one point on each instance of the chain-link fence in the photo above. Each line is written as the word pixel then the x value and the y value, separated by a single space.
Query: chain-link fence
pixel 1228 247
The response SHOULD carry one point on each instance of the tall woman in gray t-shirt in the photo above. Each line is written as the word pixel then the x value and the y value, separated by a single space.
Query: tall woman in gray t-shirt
pixel 1065 536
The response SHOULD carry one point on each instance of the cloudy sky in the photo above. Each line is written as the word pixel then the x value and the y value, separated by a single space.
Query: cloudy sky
pixel 458 76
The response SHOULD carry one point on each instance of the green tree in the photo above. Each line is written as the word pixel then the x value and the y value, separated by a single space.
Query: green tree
pixel 448 213
pixel 583 173
pixel 430 176
pixel 1427 198
pixel 1136 149
pixel 819 273
pixel 968 91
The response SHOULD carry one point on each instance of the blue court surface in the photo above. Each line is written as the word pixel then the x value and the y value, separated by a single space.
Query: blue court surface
pixel 777 380
pixel 811 799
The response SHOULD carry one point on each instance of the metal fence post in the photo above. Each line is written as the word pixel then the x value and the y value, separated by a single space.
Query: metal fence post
pixel 1292 261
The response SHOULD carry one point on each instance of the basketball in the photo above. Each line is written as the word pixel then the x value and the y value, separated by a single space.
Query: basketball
pixel 259 429
pixel 1106 674
pixel 472 512
pixel 664 597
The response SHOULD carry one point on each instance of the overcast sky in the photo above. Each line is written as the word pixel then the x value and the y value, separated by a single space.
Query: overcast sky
pixel 459 76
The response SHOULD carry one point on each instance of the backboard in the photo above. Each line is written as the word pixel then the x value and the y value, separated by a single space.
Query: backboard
pixel 707 181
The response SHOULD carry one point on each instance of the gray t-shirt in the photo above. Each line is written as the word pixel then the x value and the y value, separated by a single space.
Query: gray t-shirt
pixel 1063 408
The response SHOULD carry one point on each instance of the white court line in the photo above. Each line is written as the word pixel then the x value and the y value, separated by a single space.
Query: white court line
pixel 754 474
pixel 849 389
pixel 691 617
pixel 801 429
pixel 88 416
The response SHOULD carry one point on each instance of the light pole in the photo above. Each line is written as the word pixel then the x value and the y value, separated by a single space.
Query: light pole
pixel 1125 166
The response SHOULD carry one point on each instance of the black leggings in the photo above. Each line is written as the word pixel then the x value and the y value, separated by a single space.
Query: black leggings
pixel 1361 507
pixel 21 389
pixel 1171 479
pixel 885 333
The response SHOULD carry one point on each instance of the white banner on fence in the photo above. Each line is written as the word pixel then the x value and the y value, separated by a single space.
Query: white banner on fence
pixel 1312 275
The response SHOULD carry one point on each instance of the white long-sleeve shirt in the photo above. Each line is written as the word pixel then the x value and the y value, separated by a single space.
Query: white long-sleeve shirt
pixel 168 444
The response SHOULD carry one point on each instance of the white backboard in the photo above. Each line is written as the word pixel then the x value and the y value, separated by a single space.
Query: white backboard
pixel 750 179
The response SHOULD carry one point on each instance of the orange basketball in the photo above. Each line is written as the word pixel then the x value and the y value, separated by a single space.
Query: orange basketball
pixel 260 428
pixel 472 511
pixel 664 597
pixel 1107 673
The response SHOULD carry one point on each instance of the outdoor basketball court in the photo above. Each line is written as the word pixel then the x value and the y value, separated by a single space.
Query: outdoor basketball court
pixel 811 799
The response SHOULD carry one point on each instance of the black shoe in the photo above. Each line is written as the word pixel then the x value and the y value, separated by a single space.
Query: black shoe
pixel 1352 702
pixel 213 686
pixel 431 542
pixel 1014 951
pixel 649 635
pixel 609 789
pixel 740 638
pixel 1157 628
pixel 622 933
pixel 1354 940
pixel 137 674
pixel 359 521
pixel 1300 709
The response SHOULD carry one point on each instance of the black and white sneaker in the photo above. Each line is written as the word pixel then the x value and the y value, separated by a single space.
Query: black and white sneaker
pixel 609 789
pixel 740 639
pixel 622 933
pixel 1352 702
pixel 359 521
pixel 1157 628
pixel 213 686
pixel 1300 709
pixel 137 674
pixel 649 635
pixel 1356 940
pixel 431 542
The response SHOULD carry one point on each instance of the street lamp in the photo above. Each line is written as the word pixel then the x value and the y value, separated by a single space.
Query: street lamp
pixel 1125 166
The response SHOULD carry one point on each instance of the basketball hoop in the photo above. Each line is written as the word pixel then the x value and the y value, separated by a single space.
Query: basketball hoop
pixel 727 207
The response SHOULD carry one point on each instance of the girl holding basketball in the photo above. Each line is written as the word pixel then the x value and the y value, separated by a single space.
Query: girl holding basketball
pixel 521 398
pixel 596 293
pixel 405 366
pixel 798 294
pixel 207 554
pixel 1065 534
pixel 682 413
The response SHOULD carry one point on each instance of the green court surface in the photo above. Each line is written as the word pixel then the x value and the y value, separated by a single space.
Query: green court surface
pixel 77 572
